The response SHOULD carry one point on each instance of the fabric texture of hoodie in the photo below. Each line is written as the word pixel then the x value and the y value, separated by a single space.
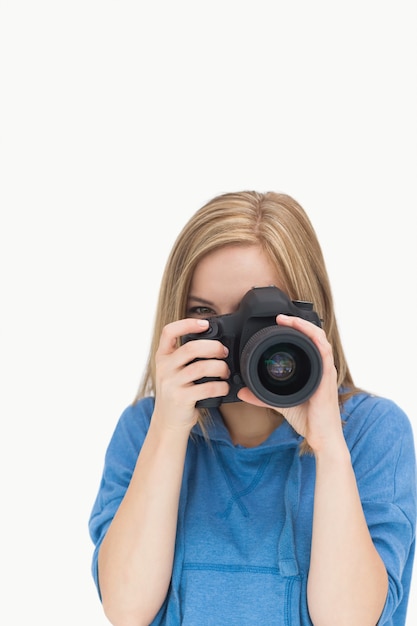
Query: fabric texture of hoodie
pixel 245 515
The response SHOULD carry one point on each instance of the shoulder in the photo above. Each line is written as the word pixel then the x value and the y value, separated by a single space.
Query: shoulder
pixel 378 434
pixel 132 426
pixel 365 414
pixel 138 414
pixel 380 439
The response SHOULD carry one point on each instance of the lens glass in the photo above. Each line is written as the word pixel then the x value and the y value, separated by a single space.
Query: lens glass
pixel 280 365
pixel 284 368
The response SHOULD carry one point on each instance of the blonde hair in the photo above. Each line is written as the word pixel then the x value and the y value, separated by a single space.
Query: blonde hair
pixel 276 223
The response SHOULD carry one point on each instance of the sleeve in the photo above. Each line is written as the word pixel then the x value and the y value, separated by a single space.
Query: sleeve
pixel 119 463
pixel 383 457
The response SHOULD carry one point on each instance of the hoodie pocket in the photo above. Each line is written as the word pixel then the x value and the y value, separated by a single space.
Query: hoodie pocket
pixel 224 595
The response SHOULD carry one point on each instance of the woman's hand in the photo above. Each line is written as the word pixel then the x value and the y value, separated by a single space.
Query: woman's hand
pixel 177 369
pixel 137 553
pixel 318 419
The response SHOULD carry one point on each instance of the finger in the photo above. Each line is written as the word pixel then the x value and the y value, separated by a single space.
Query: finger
pixel 173 331
pixel 246 395
pixel 314 332
pixel 205 368
pixel 210 389
pixel 201 349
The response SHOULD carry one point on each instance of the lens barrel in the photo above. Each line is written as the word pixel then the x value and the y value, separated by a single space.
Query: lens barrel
pixel 281 366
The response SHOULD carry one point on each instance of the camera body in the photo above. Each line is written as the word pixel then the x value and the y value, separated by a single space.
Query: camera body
pixel 280 365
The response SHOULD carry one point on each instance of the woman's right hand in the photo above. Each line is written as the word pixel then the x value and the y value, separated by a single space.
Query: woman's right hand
pixel 177 369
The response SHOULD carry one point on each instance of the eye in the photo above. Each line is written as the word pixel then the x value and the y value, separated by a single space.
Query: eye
pixel 200 311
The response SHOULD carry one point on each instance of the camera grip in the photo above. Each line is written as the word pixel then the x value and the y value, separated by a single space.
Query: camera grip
pixel 208 402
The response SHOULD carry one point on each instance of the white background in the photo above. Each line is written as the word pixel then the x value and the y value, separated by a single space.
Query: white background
pixel 117 121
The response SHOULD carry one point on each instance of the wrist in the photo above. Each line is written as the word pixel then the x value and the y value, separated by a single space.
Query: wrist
pixel 168 431
pixel 332 451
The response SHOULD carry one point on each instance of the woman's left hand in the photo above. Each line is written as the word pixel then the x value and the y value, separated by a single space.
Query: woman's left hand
pixel 317 420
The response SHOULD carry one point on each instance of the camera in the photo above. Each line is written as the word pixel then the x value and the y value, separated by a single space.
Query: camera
pixel 280 365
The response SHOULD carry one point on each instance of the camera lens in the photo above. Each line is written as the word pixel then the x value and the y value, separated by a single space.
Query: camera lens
pixel 283 369
pixel 281 366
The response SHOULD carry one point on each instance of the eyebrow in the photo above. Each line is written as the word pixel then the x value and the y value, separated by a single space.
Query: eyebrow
pixel 200 300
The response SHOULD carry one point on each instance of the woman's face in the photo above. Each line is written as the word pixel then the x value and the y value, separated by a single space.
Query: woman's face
pixel 223 277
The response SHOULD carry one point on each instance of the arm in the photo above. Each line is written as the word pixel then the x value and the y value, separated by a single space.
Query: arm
pixel 347 577
pixel 136 556
pixel 347 581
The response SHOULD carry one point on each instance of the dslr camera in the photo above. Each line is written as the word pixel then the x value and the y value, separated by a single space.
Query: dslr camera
pixel 280 365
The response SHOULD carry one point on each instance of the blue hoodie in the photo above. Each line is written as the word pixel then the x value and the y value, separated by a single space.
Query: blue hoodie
pixel 245 515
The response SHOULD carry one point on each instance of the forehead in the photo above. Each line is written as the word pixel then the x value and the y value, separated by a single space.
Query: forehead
pixel 229 272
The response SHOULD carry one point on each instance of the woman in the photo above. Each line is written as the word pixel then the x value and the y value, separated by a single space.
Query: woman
pixel 249 512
